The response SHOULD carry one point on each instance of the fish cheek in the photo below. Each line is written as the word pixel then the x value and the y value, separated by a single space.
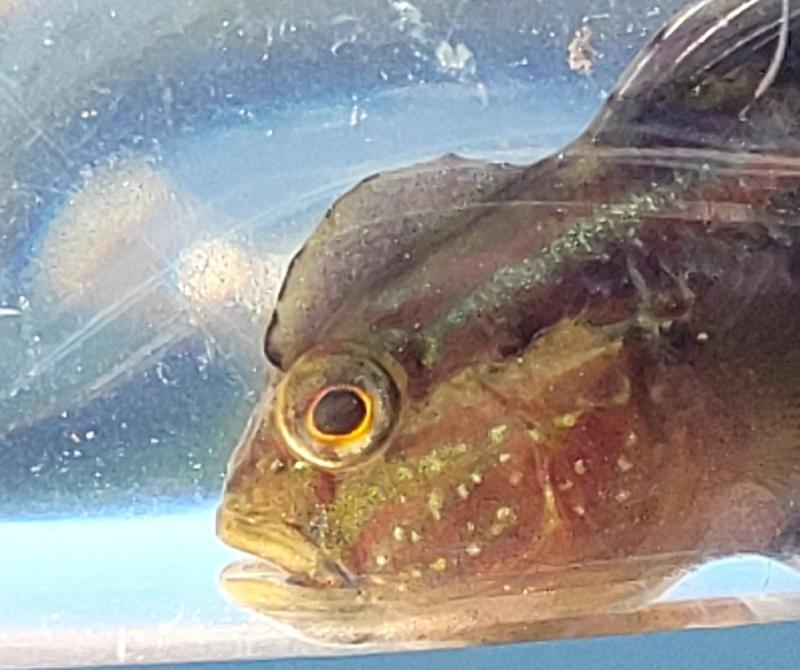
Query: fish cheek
pixel 608 478
pixel 476 521
pixel 265 484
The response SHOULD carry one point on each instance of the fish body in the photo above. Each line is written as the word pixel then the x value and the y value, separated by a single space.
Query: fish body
pixel 509 397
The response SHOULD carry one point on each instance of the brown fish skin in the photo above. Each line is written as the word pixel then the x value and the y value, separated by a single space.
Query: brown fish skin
pixel 591 359
pixel 585 450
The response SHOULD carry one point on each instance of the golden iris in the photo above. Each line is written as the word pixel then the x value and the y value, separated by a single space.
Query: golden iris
pixel 336 409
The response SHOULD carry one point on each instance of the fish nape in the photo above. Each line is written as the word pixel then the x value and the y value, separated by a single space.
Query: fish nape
pixel 521 402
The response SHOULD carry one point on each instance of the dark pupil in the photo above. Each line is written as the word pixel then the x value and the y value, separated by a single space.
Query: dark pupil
pixel 339 412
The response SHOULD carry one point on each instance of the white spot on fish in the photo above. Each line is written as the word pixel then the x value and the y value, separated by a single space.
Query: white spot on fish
pixel 623 464
pixel 580 467
pixel 473 549
pixel 565 421
pixel 496 434
pixel 505 518
pixel 439 565
pixel 622 496
pixel 536 435
pixel 435 503
pixel 503 513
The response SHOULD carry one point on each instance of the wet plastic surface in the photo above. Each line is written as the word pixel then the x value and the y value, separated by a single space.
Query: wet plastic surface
pixel 159 162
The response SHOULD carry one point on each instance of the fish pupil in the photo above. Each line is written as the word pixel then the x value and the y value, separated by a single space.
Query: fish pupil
pixel 339 412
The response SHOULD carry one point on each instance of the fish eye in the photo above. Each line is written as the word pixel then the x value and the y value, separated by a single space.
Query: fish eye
pixel 337 409
pixel 340 413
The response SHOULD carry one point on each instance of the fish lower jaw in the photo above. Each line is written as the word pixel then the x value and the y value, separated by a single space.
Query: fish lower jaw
pixel 261 586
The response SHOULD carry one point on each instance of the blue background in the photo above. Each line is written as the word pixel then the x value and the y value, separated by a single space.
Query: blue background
pixel 772 647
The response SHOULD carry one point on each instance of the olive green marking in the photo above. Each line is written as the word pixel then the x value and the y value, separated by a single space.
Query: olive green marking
pixel 426 487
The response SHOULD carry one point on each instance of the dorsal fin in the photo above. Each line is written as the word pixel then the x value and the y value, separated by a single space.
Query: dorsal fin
pixel 372 233
pixel 722 74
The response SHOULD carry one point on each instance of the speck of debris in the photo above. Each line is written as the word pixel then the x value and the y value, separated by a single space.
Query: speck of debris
pixel 581 54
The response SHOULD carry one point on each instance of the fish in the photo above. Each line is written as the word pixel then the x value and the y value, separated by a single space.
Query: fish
pixel 515 401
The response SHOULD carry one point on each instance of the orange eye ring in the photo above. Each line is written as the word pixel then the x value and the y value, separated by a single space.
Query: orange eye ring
pixel 359 431
pixel 336 409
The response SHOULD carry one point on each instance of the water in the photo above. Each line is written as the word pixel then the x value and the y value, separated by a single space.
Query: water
pixel 159 162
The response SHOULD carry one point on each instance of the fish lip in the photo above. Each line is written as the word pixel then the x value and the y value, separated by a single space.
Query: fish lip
pixel 299 610
pixel 279 550
pixel 315 587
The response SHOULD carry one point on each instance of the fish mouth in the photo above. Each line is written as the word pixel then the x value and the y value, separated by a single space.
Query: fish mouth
pixel 284 570
pixel 261 587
